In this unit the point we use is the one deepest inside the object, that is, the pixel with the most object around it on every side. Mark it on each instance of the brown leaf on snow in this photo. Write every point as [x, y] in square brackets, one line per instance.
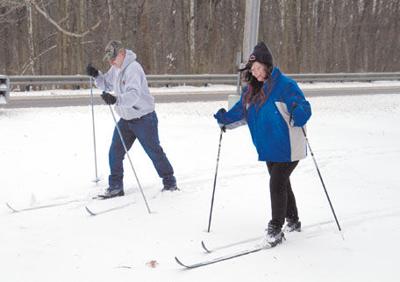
[152, 263]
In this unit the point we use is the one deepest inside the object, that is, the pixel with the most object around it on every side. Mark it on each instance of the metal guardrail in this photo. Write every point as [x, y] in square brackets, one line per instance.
[200, 79]
[4, 89]
[346, 77]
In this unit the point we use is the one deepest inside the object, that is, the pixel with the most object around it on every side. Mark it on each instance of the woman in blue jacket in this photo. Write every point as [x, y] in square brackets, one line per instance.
[276, 111]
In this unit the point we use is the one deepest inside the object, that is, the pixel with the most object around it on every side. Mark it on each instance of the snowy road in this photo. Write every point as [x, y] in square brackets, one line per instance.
[195, 95]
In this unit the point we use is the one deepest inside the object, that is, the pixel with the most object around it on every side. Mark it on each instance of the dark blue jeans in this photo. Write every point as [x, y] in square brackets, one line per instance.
[145, 129]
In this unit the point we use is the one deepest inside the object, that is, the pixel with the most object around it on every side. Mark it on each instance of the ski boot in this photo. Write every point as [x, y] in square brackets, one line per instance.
[112, 192]
[292, 225]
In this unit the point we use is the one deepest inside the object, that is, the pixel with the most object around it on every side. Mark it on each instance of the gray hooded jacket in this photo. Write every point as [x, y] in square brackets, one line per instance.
[130, 86]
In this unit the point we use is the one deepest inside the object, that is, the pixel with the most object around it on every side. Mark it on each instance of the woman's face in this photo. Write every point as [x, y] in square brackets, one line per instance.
[258, 71]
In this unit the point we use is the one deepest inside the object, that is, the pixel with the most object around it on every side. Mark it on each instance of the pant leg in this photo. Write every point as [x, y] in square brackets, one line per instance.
[146, 131]
[279, 183]
[117, 153]
[291, 210]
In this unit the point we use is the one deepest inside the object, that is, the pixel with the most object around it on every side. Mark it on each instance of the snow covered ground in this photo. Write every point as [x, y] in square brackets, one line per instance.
[47, 157]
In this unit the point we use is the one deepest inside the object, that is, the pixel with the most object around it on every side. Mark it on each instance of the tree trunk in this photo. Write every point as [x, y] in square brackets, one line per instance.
[31, 40]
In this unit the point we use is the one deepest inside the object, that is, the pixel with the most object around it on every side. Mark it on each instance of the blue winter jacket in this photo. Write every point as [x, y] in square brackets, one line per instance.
[276, 126]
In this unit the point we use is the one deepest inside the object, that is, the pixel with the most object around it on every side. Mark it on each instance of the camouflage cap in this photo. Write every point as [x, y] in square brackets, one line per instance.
[112, 49]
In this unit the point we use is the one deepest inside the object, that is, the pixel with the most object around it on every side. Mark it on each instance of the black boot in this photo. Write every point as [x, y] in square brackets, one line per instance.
[112, 192]
[292, 225]
[170, 188]
[169, 184]
[274, 235]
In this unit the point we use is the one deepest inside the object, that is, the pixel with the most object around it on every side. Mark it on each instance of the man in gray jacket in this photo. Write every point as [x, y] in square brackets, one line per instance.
[135, 106]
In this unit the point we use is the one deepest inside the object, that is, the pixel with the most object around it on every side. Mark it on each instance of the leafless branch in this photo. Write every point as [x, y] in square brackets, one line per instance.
[31, 61]
[57, 26]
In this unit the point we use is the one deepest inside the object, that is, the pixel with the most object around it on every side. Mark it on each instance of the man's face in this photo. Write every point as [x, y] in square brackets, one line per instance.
[118, 60]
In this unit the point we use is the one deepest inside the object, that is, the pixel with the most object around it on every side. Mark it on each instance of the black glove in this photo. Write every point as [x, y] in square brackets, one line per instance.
[108, 98]
[218, 117]
[92, 71]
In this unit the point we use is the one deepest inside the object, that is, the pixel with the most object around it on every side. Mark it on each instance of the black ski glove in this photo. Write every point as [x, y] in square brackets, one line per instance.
[92, 71]
[108, 98]
[218, 117]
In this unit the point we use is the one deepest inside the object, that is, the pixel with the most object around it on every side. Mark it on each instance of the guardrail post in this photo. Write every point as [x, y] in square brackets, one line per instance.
[4, 89]
[233, 98]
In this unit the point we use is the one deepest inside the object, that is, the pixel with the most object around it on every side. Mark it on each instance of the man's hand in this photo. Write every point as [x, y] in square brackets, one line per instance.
[92, 71]
[108, 98]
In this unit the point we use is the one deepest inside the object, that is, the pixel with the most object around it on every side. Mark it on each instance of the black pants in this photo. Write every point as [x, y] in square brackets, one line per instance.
[283, 202]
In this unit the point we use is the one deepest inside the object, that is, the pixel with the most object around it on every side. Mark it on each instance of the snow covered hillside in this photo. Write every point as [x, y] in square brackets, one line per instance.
[47, 158]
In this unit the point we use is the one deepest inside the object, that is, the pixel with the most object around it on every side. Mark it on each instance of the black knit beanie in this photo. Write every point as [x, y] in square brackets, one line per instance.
[262, 54]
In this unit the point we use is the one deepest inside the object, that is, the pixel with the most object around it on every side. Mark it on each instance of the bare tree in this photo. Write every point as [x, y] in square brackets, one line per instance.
[56, 25]
[192, 36]
[192, 48]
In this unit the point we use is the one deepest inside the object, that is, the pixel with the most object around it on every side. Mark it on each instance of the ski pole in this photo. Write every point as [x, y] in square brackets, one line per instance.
[215, 179]
[129, 158]
[322, 181]
[94, 132]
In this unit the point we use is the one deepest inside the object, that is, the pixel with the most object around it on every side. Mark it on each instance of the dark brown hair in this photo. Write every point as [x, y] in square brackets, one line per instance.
[255, 93]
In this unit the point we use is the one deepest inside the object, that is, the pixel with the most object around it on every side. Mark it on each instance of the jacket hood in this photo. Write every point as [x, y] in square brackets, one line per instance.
[130, 57]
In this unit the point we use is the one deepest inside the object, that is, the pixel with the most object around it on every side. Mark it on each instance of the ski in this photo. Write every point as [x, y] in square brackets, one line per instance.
[107, 201]
[52, 205]
[207, 249]
[93, 212]
[222, 258]
[203, 245]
